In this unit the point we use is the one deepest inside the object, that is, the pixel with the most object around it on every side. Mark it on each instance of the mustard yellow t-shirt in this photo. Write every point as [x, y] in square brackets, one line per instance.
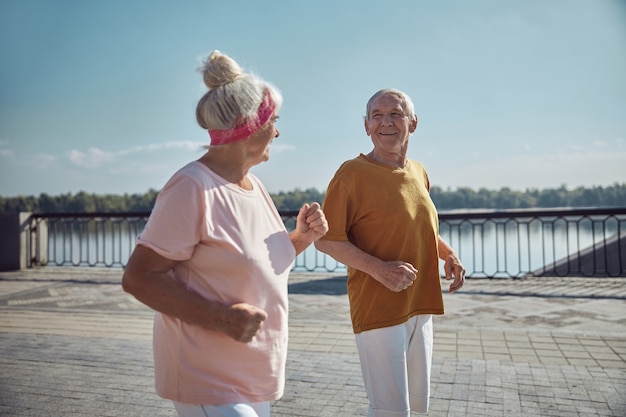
[386, 212]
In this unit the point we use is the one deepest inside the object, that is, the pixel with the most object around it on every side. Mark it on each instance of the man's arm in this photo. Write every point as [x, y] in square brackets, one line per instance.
[395, 275]
[452, 266]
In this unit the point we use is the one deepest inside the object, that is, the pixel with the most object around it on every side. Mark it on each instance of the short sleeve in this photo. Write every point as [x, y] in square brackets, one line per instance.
[175, 224]
[336, 209]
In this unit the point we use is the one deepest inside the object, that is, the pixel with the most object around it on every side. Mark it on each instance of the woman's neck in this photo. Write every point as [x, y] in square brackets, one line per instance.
[228, 167]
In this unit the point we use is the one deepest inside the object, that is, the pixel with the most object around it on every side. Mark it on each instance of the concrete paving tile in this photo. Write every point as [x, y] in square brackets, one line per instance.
[497, 356]
[328, 382]
[577, 354]
[553, 360]
[591, 342]
[546, 347]
[605, 356]
[492, 342]
[525, 350]
[582, 362]
[612, 364]
[525, 358]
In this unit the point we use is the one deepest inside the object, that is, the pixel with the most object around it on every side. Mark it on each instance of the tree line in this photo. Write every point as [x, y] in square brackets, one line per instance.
[506, 198]
[448, 199]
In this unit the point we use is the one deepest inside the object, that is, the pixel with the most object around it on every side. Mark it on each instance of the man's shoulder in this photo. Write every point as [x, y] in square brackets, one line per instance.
[358, 162]
[416, 165]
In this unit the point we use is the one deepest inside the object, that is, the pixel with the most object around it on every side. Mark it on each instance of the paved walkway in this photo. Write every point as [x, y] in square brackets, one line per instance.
[72, 343]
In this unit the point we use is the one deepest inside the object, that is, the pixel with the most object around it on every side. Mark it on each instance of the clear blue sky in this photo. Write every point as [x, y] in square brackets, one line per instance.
[99, 96]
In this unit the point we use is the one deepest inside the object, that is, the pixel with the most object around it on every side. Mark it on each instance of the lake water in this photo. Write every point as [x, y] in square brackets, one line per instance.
[486, 248]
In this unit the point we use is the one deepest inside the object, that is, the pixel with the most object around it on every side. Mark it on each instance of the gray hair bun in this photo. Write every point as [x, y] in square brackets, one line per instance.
[234, 95]
[220, 69]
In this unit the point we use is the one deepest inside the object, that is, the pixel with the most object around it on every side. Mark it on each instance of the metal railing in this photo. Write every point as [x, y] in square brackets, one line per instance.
[554, 242]
[509, 243]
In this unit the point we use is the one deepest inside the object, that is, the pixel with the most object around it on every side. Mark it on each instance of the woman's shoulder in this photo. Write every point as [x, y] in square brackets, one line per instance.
[193, 168]
[200, 173]
[193, 175]
[256, 183]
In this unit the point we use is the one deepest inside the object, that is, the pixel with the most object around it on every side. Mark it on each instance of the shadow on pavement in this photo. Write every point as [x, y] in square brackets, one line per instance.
[327, 286]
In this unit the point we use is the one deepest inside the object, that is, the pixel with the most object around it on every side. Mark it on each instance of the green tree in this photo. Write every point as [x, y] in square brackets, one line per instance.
[449, 199]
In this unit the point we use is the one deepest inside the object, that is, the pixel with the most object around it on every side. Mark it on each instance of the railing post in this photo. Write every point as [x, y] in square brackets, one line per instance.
[9, 241]
[16, 249]
[23, 241]
[34, 241]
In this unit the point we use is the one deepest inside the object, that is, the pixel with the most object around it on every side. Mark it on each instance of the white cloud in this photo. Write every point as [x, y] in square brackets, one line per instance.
[6, 153]
[277, 148]
[44, 160]
[573, 148]
[580, 168]
[93, 158]
[189, 145]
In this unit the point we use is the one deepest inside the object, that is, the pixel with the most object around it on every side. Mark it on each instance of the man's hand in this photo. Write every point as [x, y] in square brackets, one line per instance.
[454, 268]
[396, 275]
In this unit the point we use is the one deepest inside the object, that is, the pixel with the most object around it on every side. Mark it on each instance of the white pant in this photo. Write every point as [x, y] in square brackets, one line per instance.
[226, 410]
[396, 363]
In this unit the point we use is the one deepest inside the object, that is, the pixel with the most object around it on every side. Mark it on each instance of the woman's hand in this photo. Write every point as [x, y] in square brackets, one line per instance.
[311, 221]
[147, 278]
[241, 321]
[311, 225]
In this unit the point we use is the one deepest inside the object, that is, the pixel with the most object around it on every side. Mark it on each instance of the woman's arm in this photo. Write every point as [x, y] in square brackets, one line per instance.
[147, 278]
[310, 226]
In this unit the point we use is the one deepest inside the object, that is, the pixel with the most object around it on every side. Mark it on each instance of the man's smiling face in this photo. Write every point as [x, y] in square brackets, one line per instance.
[388, 123]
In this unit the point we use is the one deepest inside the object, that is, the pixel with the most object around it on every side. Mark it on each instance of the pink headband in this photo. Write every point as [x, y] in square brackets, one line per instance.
[263, 114]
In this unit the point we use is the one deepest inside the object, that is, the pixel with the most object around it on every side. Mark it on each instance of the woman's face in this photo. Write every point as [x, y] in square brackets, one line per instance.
[259, 142]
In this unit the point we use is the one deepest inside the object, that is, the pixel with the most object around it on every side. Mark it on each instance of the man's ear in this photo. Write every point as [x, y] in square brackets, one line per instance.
[367, 129]
[413, 125]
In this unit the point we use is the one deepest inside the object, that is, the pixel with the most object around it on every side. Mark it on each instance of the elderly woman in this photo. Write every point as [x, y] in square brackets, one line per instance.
[214, 259]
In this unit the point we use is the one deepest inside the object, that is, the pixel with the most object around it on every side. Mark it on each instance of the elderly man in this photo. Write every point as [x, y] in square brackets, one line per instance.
[384, 227]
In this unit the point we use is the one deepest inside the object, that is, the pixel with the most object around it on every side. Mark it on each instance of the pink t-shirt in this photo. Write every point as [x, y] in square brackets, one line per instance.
[232, 247]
